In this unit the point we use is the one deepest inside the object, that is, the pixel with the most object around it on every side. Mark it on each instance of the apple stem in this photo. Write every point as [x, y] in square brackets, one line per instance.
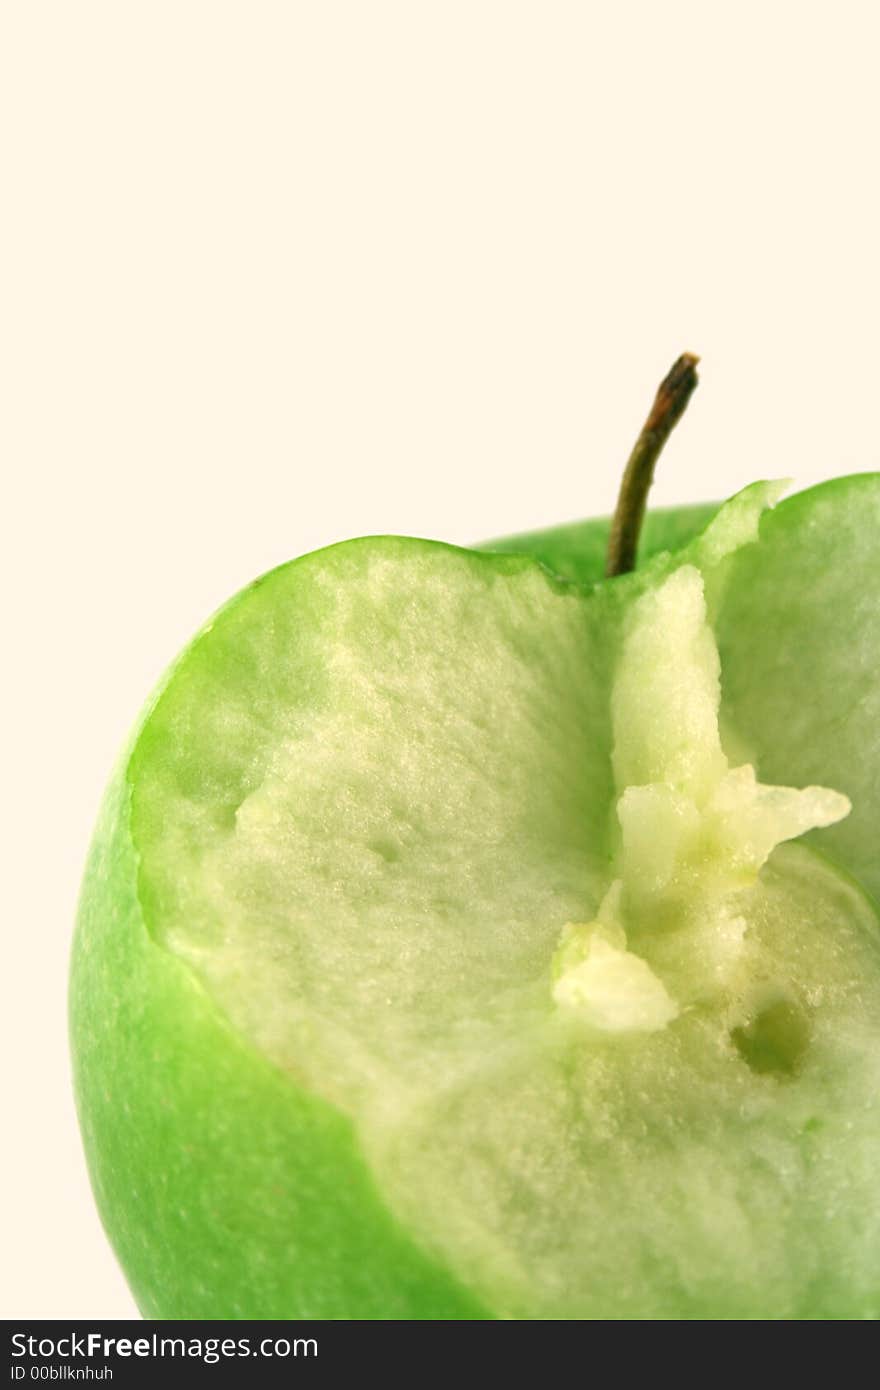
[673, 394]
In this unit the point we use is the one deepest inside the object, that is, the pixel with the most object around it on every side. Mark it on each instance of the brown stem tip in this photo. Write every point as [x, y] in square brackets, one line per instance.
[673, 394]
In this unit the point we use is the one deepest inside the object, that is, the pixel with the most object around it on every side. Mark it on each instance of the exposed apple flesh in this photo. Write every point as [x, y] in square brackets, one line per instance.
[376, 817]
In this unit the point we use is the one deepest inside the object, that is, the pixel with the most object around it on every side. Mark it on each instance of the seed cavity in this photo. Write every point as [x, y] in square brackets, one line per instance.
[775, 1041]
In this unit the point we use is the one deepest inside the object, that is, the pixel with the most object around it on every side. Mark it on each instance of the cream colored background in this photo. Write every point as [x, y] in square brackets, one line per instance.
[276, 274]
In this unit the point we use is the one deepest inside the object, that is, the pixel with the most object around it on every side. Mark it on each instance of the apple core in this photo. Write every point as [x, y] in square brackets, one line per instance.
[694, 833]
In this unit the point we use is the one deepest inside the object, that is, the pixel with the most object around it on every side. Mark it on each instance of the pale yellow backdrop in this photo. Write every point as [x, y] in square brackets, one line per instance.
[275, 274]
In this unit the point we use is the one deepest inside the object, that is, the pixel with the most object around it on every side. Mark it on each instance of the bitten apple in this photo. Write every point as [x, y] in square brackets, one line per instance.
[468, 935]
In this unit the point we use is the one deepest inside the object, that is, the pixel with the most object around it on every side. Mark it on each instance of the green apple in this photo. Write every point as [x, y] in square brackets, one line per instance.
[467, 936]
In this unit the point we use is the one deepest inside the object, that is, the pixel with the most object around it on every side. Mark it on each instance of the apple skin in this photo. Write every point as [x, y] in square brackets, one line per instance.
[577, 550]
[226, 1190]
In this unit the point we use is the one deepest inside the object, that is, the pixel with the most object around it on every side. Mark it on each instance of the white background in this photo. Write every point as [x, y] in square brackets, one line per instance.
[277, 274]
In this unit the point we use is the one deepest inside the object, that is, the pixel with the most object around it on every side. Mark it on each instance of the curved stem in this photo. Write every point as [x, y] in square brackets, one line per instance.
[669, 405]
